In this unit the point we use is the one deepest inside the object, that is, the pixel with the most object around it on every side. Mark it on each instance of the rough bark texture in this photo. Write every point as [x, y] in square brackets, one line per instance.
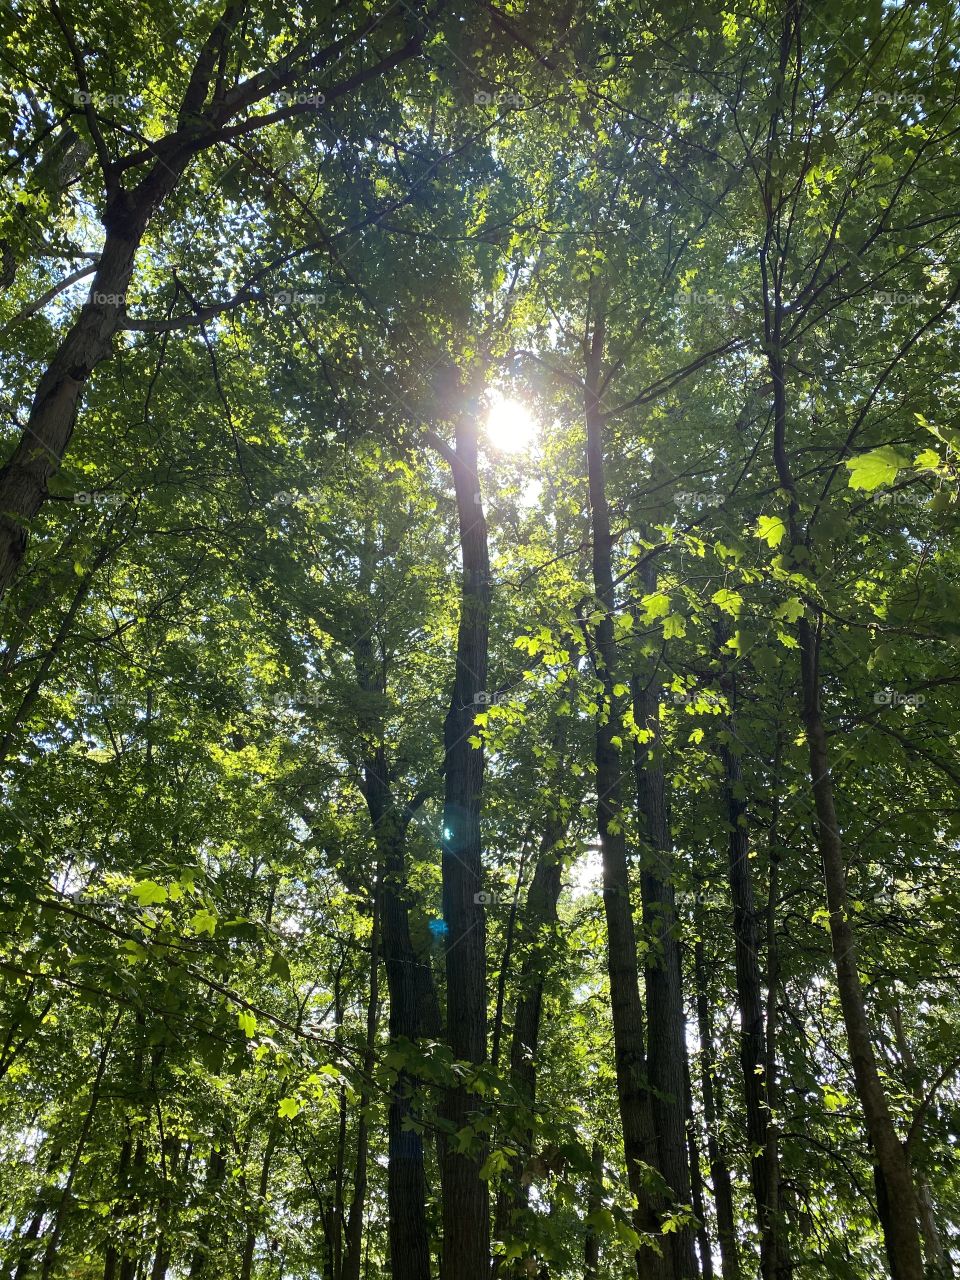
[466, 1224]
[263, 1183]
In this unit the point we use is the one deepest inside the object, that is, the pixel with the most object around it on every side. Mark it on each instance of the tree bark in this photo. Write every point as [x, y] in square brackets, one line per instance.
[626, 1008]
[753, 1059]
[666, 1025]
[696, 1183]
[896, 1194]
[353, 1243]
[591, 1242]
[201, 1259]
[412, 1014]
[250, 1239]
[540, 917]
[776, 1259]
[466, 1223]
[59, 1221]
[719, 1169]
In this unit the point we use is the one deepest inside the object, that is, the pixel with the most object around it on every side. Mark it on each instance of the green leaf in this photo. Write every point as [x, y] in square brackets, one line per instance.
[289, 1108]
[655, 605]
[928, 459]
[771, 529]
[203, 921]
[148, 892]
[869, 471]
[247, 1023]
[728, 601]
[627, 1234]
[791, 609]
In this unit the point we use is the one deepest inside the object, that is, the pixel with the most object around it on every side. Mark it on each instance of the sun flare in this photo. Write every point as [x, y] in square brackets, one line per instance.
[510, 426]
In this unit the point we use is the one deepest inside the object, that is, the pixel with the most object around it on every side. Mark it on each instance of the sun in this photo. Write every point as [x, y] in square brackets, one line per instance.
[510, 426]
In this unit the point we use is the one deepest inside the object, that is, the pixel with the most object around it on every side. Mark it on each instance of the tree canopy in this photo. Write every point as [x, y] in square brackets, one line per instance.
[479, 597]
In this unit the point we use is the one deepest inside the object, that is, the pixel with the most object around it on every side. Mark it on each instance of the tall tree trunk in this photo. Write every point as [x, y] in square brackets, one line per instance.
[353, 1245]
[719, 1169]
[777, 1258]
[639, 1141]
[696, 1183]
[591, 1243]
[250, 1240]
[466, 1221]
[113, 1253]
[753, 1060]
[413, 1013]
[938, 1261]
[28, 1238]
[60, 1216]
[161, 1257]
[540, 917]
[663, 981]
[200, 1262]
[896, 1194]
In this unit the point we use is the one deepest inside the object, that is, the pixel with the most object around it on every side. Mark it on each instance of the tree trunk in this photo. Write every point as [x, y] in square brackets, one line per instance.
[353, 1245]
[753, 1060]
[666, 1025]
[776, 1259]
[466, 1224]
[591, 1243]
[216, 1169]
[89, 340]
[719, 1169]
[412, 1014]
[59, 1221]
[896, 1195]
[696, 1183]
[626, 1008]
[250, 1240]
[540, 917]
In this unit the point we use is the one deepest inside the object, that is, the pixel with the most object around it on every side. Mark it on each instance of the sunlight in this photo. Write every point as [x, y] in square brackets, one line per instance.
[510, 426]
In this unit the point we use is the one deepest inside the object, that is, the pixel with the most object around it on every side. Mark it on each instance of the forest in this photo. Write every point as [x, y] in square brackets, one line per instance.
[479, 606]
